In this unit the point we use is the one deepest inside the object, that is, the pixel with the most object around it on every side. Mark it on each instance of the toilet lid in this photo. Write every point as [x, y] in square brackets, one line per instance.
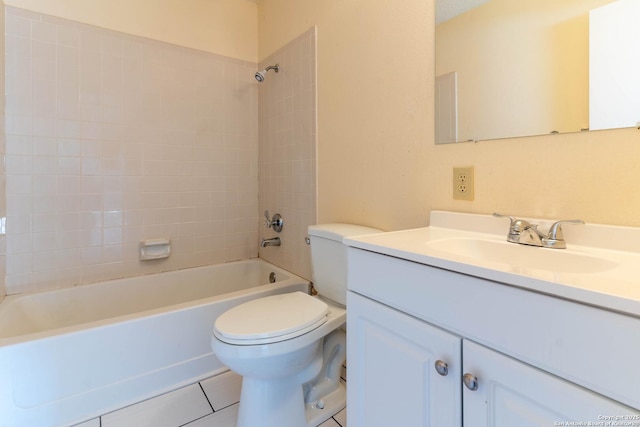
[271, 319]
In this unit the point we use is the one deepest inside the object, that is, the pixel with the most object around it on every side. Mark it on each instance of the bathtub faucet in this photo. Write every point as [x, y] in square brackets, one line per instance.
[274, 241]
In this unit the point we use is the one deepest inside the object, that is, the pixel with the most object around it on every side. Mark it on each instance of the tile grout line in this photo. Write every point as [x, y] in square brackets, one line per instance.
[206, 397]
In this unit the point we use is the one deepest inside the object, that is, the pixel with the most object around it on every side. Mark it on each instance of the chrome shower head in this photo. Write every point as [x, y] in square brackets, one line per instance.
[260, 74]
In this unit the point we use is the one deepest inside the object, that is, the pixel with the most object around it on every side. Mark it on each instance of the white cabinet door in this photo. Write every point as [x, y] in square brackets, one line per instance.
[511, 393]
[391, 369]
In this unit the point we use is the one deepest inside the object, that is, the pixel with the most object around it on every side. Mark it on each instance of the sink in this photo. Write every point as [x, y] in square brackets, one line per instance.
[521, 256]
[599, 267]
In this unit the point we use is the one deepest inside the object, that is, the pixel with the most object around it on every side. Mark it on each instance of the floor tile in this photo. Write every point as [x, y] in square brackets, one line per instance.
[227, 417]
[341, 417]
[223, 390]
[168, 410]
[329, 423]
[91, 423]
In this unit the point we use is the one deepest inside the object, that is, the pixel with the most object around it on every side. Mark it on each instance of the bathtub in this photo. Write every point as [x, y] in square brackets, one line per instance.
[72, 354]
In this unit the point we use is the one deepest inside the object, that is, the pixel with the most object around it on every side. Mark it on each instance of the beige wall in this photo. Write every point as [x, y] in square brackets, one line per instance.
[225, 27]
[377, 163]
[375, 80]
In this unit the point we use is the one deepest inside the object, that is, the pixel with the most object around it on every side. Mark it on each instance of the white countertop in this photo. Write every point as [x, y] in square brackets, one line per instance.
[616, 286]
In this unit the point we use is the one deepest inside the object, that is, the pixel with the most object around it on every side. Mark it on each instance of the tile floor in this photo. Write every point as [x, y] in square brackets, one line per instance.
[209, 403]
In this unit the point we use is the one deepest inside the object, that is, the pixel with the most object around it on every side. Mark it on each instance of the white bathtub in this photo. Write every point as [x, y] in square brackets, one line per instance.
[75, 353]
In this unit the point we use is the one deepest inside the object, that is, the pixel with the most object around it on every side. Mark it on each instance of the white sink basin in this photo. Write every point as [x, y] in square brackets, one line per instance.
[599, 267]
[530, 257]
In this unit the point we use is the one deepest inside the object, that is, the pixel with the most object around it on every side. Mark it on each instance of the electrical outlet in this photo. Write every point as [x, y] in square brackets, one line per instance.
[463, 183]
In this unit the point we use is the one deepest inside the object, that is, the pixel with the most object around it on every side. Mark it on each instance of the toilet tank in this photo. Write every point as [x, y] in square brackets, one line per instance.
[329, 258]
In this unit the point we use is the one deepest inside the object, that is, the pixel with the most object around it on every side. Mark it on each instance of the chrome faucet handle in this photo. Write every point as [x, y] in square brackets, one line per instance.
[511, 218]
[277, 222]
[555, 238]
[517, 227]
[267, 219]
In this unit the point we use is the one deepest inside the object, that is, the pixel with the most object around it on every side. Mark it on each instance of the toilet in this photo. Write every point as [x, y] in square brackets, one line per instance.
[289, 348]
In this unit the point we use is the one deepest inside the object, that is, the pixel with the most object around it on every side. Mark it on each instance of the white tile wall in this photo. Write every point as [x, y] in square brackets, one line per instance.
[112, 139]
[287, 123]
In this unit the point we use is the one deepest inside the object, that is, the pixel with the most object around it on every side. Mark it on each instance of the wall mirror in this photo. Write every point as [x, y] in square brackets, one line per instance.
[508, 68]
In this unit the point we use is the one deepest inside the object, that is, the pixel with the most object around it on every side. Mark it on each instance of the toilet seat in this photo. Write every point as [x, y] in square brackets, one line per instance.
[271, 319]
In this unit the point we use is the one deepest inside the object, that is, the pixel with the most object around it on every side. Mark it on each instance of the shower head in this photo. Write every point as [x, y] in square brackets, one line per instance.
[260, 74]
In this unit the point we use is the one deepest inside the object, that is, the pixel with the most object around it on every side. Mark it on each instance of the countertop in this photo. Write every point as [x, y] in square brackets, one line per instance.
[614, 283]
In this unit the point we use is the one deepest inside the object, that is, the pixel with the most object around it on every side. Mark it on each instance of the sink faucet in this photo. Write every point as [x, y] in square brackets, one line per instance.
[525, 233]
[274, 241]
[522, 231]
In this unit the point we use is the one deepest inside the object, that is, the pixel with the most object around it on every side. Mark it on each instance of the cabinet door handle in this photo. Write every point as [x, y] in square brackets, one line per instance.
[470, 381]
[442, 368]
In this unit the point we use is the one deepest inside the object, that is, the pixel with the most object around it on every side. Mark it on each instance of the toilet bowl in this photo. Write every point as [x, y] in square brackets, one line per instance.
[289, 348]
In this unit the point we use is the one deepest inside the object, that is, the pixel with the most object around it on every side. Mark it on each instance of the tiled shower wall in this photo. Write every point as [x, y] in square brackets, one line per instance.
[287, 123]
[112, 139]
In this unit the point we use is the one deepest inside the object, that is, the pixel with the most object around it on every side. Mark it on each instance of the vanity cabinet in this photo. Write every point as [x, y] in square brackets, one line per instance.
[394, 381]
[512, 393]
[538, 360]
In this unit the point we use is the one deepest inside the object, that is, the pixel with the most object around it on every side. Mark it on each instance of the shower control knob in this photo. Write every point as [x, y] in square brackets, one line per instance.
[470, 381]
[442, 368]
[277, 222]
